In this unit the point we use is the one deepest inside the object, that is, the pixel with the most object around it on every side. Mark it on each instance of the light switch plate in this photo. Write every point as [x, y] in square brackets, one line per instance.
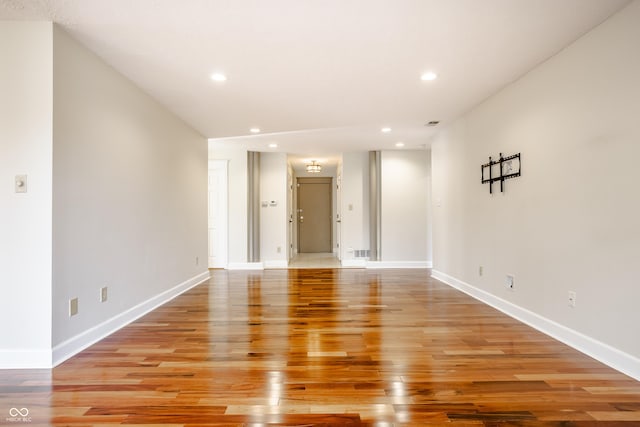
[21, 183]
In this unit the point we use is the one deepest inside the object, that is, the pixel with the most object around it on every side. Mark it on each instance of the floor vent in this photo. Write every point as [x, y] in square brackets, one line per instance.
[361, 253]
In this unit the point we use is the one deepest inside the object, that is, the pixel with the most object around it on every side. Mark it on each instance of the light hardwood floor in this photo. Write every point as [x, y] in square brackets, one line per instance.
[324, 347]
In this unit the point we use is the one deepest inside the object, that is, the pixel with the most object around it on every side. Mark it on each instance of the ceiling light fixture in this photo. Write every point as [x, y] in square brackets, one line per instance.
[385, 130]
[254, 130]
[314, 167]
[399, 144]
[218, 77]
[273, 145]
[428, 76]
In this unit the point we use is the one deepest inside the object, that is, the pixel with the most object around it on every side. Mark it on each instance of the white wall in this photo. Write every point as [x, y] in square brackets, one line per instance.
[273, 219]
[570, 223]
[355, 204]
[237, 200]
[26, 90]
[405, 188]
[338, 208]
[129, 196]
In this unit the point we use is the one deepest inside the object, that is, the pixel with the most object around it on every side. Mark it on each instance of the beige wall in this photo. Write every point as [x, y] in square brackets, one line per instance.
[570, 223]
[355, 205]
[273, 219]
[26, 91]
[405, 188]
[129, 195]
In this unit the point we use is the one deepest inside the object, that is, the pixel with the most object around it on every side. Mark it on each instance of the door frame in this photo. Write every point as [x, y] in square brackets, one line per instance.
[338, 219]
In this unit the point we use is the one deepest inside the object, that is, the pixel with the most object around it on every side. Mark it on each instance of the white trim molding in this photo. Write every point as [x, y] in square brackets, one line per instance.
[278, 263]
[25, 359]
[354, 263]
[398, 264]
[245, 266]
[76, 344]
[610, 356]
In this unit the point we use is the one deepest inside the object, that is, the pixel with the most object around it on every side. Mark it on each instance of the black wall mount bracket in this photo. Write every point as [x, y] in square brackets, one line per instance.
[501, 169]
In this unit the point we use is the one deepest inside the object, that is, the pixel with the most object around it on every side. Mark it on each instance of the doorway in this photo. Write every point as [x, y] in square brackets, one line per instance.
[314, 215]
[218, 221]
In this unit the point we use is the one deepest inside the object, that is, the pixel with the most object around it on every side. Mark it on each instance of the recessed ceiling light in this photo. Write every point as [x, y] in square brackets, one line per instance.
[254, 130]
[385, 130]
[273, 145]
[218, 77]
[428, 76]
[399, 144]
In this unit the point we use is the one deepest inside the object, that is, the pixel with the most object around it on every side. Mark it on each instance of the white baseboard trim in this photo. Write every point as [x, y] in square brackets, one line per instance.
[245, 266]
[25, 359]
[610, 356]
[399, 264]
[354, 263]
[74, 345]
[279, 263]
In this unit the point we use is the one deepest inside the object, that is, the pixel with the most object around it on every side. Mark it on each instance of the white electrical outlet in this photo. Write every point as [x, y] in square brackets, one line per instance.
[480, 271]
[279, 249]
[510, 282]
[103, 294]
[572, 299]
[197, 260]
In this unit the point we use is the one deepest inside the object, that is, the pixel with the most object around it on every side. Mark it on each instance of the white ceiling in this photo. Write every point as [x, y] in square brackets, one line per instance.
[320, 77]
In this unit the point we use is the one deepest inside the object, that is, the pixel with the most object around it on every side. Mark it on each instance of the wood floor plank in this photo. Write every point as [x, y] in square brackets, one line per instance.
[324, 347]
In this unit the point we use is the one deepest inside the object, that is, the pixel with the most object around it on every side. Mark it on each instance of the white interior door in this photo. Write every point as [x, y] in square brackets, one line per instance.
[218, 208]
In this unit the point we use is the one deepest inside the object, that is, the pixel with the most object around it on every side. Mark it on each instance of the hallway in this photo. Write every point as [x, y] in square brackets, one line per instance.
[324, 347]
[315, 260]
